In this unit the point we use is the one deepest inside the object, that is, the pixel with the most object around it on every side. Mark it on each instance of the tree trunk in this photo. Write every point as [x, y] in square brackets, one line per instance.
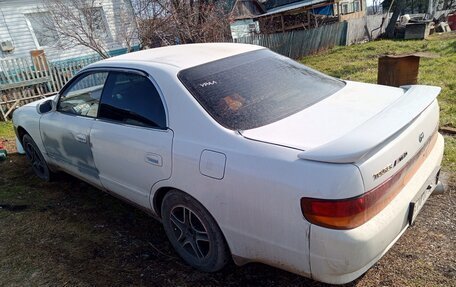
[392, 23]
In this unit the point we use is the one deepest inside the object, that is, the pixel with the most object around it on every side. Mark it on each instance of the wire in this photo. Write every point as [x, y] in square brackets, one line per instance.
[7, 28]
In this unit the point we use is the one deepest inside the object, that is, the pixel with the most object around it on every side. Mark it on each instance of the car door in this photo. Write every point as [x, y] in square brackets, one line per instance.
[66, 132]
[131, 143]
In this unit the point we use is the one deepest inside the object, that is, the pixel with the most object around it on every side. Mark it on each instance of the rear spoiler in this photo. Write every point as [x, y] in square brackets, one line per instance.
[353, 146]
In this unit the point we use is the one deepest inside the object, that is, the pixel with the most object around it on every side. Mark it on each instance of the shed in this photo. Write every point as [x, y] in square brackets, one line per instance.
[246, 9]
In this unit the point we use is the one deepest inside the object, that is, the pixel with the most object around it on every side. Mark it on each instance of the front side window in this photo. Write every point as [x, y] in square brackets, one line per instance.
[82, 97]
[257, 88]
[132, 99]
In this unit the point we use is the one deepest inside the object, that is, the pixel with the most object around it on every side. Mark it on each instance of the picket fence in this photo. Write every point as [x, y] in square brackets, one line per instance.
[26, 79]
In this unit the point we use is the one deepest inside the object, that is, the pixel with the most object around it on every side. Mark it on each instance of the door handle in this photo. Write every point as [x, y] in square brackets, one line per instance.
[82, 138]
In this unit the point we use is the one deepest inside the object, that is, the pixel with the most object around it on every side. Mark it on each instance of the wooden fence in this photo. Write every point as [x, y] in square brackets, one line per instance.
[296, 44]
[23, 80]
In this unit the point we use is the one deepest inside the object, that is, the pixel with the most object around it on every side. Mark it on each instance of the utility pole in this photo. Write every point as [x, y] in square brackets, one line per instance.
[430, 9]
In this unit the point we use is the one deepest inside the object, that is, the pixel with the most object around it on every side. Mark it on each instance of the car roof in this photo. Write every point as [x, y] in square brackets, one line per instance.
[184, 56]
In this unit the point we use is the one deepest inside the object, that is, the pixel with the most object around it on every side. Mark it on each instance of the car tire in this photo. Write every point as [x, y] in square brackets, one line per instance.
[34, 156]
[193, 232]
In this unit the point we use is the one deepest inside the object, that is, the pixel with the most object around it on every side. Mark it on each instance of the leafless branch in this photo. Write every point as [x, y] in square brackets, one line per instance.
[82, 22]
[164, 22]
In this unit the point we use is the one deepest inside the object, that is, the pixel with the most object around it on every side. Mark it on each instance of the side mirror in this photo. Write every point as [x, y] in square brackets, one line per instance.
[46, 106]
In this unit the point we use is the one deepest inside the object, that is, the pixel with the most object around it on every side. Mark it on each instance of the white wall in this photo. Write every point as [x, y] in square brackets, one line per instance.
[13, 26]
[357, 33]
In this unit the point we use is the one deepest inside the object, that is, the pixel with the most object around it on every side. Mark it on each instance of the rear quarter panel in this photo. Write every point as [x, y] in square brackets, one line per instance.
[257, 202]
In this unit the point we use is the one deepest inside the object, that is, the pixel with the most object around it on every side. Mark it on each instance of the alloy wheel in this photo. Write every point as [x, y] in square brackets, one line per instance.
[190, 232]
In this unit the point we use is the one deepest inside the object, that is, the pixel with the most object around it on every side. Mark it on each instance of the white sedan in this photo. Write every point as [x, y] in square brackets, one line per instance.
[246, 154]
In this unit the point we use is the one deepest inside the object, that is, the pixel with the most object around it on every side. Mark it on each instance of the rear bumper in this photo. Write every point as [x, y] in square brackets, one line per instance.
[340, 256]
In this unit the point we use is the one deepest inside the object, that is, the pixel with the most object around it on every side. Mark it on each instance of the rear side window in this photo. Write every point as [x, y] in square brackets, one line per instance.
[257, 88]
[132, 99]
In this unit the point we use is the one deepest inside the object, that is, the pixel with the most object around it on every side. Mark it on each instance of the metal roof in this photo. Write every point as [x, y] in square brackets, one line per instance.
[291, 6]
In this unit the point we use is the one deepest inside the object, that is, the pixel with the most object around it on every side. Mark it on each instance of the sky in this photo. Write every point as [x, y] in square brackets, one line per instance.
[369, 2]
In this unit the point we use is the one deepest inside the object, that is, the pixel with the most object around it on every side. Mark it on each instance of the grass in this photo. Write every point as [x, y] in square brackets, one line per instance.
[359, 63]
[449, 156]
[7, 136]
[6, 130]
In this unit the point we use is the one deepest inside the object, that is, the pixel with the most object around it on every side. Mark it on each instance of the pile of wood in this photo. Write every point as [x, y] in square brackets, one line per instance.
[301, 21]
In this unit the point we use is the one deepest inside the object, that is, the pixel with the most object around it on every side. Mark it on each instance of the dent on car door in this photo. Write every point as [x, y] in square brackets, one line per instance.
[66, 132]
[131, 143]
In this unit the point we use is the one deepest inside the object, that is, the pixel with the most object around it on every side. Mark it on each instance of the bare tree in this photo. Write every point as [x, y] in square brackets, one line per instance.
[201, 21]
[154, 25]
[82, 22]
[164, 22]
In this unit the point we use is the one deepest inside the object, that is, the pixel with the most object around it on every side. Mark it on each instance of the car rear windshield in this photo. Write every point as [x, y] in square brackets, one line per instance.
[256, 88]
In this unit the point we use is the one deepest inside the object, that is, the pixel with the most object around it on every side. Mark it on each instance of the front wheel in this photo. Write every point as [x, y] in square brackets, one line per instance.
[193, 232]
[35, 157]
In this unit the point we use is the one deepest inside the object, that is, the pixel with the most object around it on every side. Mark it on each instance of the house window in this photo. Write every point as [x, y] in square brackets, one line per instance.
[96, 21]
[252, 27]
[356, 6]
[42, 28]
[345, 8]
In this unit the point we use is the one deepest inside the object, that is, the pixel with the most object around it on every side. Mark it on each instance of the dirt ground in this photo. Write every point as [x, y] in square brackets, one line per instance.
[67, 233]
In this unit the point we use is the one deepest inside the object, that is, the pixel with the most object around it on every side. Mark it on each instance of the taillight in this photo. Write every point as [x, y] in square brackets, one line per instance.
[353, 212]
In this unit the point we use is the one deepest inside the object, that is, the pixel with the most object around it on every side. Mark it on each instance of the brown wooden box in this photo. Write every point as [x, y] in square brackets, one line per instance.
[398, 70]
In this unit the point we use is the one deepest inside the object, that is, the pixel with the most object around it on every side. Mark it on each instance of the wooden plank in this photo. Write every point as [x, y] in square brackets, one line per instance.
[23, 65]
[5, 70]
[47, 72]
[57, 77]
[3, 113]
[14, 67]
[448, 130]
[31, 93]
[29, 97]
[283, 23]
[53, 80]
[23, 84]
[9, 72]
[16, 70]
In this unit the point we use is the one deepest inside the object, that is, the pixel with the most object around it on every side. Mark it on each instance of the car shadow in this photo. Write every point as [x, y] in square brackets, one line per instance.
[87, 237]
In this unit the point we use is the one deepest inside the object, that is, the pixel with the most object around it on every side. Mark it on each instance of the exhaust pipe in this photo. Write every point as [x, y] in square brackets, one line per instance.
[439, 188]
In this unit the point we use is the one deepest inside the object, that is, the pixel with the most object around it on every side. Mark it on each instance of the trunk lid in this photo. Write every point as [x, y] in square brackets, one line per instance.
[377, 128]
[328, 119]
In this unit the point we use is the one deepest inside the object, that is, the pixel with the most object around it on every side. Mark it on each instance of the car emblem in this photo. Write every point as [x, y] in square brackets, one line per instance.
[420, 138]
[390, 166]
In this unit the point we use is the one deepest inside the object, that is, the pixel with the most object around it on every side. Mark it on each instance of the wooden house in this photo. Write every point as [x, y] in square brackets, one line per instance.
[21, 31]
[274, 16]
